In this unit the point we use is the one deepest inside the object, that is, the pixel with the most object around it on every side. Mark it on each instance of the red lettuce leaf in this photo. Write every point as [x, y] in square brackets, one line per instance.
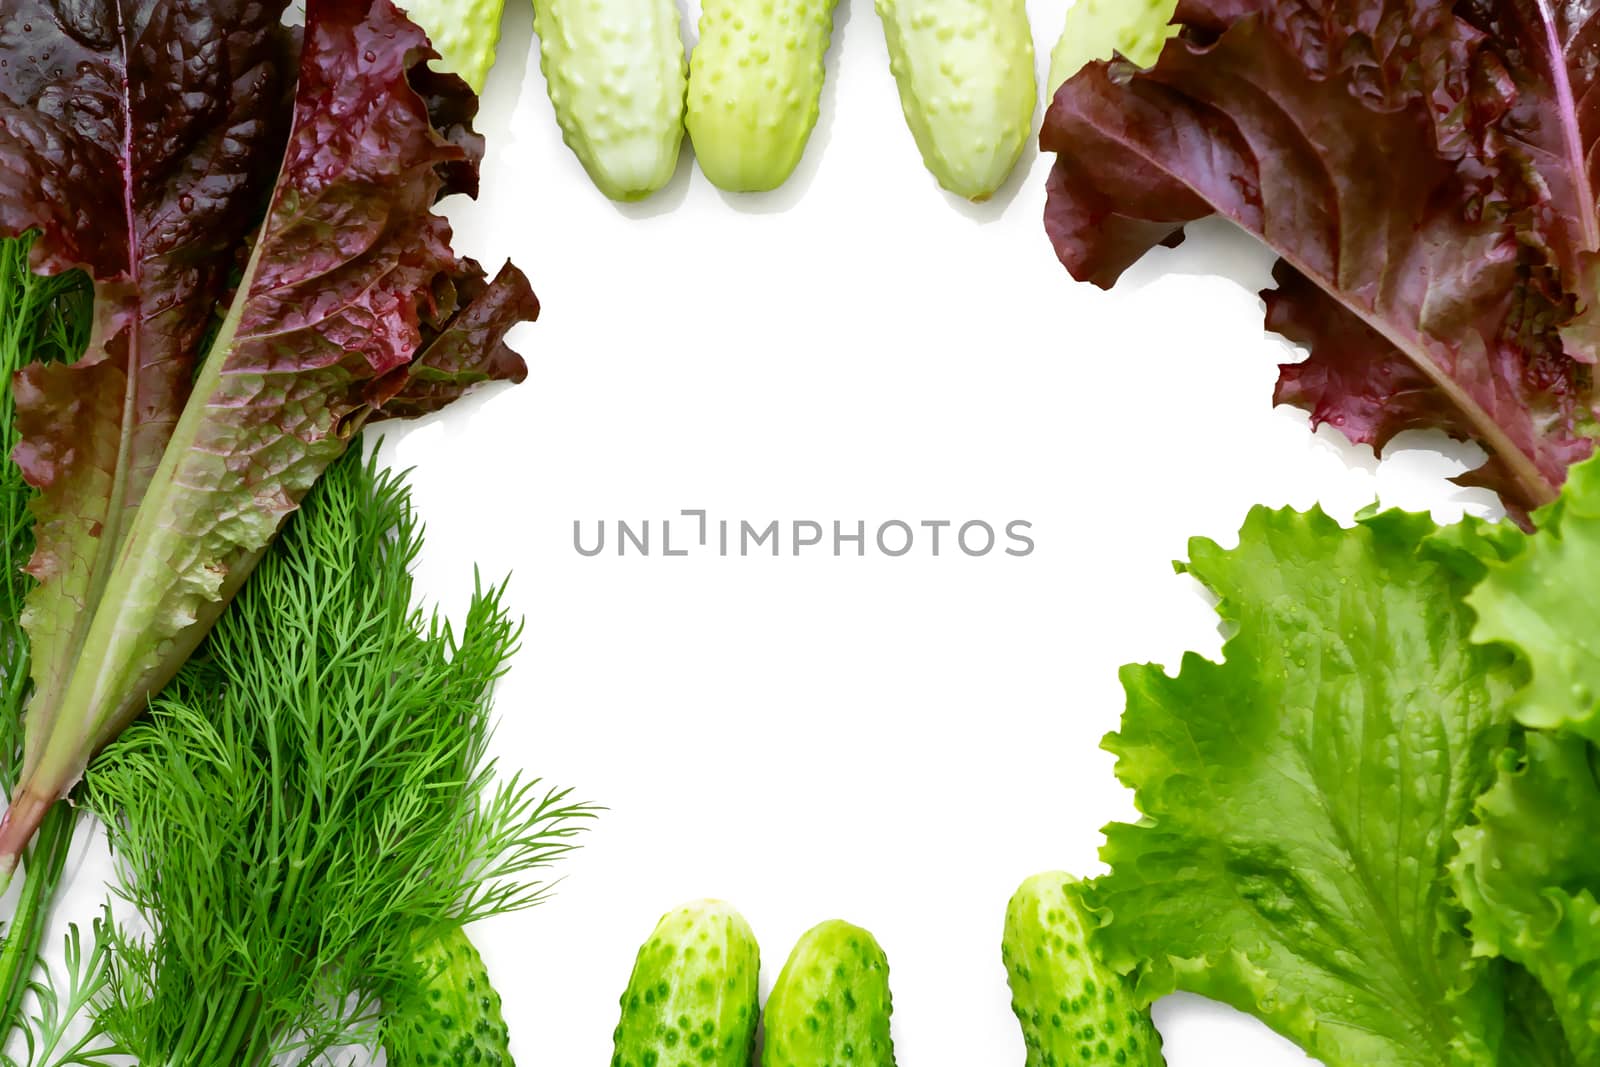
[141, 142]
[350, 299]
[1425, 187]
[1546, 135]
[470, 348]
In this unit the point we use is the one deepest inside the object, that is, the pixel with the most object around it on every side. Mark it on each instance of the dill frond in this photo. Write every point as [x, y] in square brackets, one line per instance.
[311, 794]
[56, 1033]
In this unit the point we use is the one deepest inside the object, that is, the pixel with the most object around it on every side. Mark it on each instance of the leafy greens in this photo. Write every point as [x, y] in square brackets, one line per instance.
[1534, 598]
[1529, 875]
[1423, 170]
[310, 796]
[43, 319]
[188, 154]
[1372, 824]
[1301, 797]
[1528, 871]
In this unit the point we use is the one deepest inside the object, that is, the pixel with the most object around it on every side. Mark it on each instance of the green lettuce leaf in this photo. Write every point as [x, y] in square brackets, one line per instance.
[1301, 798]
[1540, 601]
[1528, 870]
[1529, 873]
[1533, 1033]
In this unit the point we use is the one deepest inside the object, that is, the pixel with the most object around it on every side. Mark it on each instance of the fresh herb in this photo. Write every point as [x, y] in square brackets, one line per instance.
[409, 701]
[163, 147]
[61, 1031]
[1424, 171]
[310, 796]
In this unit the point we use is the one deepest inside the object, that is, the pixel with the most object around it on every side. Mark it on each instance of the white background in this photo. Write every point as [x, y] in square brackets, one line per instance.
[897, 742]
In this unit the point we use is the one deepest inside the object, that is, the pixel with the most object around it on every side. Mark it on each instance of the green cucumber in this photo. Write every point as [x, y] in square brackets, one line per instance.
[1073, 1008]
[965, 72]
[464, 32]
[448, 1013]
[755, 80]
[616, 73]
[692, 1000]
[1098, 29]
[830, 1005]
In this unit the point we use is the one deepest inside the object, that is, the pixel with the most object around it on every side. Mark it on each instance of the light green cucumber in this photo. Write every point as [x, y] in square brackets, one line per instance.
[755, 80]
[448, 1013]
[830, 1005]
[1073, 1008]
[965, 72]
[616, 74]
[463, 32]
[1099, 29]
[692, 1000]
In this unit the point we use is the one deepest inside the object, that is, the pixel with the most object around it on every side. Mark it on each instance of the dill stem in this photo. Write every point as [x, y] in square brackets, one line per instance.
[260, 1049]
[44, 864]
[181, 1050]
[225, 1044]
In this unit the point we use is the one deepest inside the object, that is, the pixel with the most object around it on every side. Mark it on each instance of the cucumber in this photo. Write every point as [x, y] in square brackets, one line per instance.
[830, 1006]
[692, 998]
[965, 72]
[1073, 1008]
[755, 80]
[1098, 29]
[464, 32]
[449, 1013]
[616, 73]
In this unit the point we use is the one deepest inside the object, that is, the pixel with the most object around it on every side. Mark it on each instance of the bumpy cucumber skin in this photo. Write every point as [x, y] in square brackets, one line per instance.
[616, 73]
[1073, 1008]
[463, 32]
[692, 1000]
[452, 1014]
[965, 73]
[830, 1006]
[755, 80]
[1097, 29]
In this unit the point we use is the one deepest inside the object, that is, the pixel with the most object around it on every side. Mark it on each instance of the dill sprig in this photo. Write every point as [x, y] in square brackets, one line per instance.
[311, 794]
[59, 1031]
